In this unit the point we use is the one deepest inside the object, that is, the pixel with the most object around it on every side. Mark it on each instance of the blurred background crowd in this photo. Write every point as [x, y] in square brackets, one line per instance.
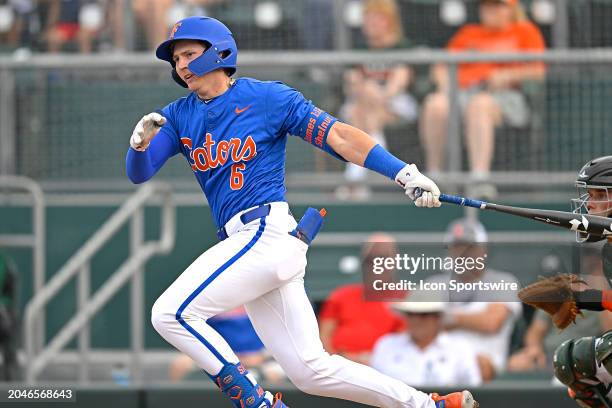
[506, 112]
[139, 25]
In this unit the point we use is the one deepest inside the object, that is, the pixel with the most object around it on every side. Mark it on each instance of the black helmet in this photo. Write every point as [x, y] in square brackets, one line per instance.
[595, 174]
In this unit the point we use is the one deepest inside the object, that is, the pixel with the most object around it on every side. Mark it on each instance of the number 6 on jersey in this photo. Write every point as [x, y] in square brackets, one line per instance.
[237, 178]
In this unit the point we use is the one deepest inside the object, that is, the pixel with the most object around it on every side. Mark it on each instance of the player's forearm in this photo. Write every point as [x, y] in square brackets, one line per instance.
[358, 147]
[139, 166]
[142, 165]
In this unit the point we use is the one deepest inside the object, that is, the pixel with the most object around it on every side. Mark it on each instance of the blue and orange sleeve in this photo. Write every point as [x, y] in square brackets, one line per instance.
[287, 111]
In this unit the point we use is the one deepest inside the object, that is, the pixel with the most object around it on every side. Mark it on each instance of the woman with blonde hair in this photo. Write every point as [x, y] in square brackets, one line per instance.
[387, 13]
[489, 91]
[377, 94]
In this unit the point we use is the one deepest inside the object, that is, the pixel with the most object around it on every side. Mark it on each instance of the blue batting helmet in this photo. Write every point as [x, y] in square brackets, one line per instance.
[221, 51]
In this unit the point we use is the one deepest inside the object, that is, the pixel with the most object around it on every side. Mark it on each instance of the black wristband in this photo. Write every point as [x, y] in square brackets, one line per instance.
[589, 299]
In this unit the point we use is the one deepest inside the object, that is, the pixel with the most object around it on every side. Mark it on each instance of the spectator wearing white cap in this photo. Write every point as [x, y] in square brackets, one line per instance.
[483, 318]
[424, 355]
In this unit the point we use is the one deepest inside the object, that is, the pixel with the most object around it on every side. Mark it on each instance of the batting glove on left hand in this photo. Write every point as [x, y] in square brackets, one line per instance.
[411, 179]
[145, 131]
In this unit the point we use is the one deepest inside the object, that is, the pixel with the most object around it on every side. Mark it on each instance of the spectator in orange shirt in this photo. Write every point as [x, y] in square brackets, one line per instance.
[489, 92]
[350, 325]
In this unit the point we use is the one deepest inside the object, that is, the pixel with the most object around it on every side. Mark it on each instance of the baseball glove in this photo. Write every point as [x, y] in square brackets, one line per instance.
[554, 295]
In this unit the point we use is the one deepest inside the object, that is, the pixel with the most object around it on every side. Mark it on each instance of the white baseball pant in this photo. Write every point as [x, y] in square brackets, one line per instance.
[262, 267]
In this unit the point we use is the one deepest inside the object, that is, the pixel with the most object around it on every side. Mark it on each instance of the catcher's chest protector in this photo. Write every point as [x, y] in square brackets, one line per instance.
[603, 351]
[574, 364]
[575, 359]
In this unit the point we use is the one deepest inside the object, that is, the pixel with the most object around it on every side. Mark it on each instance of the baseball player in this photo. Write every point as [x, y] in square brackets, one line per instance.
[232, 134]
[584, 364]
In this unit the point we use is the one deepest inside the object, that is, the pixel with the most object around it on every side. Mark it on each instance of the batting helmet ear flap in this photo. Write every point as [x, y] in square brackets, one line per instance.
[178, 79]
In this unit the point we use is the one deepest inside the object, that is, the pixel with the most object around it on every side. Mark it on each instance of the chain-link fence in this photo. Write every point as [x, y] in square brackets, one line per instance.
[138, 25]
[72, 120]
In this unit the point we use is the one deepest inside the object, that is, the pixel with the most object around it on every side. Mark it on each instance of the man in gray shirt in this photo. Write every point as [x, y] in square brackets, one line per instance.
[484, 312]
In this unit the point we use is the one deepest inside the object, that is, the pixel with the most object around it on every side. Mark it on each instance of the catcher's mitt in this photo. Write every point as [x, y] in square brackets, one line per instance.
[554, 296]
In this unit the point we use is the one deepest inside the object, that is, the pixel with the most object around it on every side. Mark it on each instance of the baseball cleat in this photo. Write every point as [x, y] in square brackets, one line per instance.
[461, 399]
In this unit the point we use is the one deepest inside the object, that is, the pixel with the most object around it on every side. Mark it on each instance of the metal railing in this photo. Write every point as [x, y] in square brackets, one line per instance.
[37, 239]
[89, 304]
[250, 59]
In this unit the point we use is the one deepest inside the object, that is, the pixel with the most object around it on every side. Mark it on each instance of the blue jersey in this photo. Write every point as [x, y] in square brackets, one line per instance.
[235, 143]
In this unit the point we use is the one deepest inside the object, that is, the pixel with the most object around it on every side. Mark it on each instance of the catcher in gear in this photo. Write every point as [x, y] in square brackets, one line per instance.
[583, 364]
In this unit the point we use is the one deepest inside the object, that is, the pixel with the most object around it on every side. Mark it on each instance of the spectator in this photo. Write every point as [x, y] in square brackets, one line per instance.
[237, 329]
[8, 318]
[157, 16]
[73, 21]
[116, 20]
[424, 355]
[542, 338]
[13, 22]
[377, 94]
[350, 325]
[482, 318]
[8, 25]
[489, 92]
[152, 16]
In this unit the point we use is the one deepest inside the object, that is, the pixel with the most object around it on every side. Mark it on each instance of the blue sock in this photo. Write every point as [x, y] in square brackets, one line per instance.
[236, 382]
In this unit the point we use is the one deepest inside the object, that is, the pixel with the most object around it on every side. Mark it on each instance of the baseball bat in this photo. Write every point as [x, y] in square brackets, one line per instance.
[588, 224]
